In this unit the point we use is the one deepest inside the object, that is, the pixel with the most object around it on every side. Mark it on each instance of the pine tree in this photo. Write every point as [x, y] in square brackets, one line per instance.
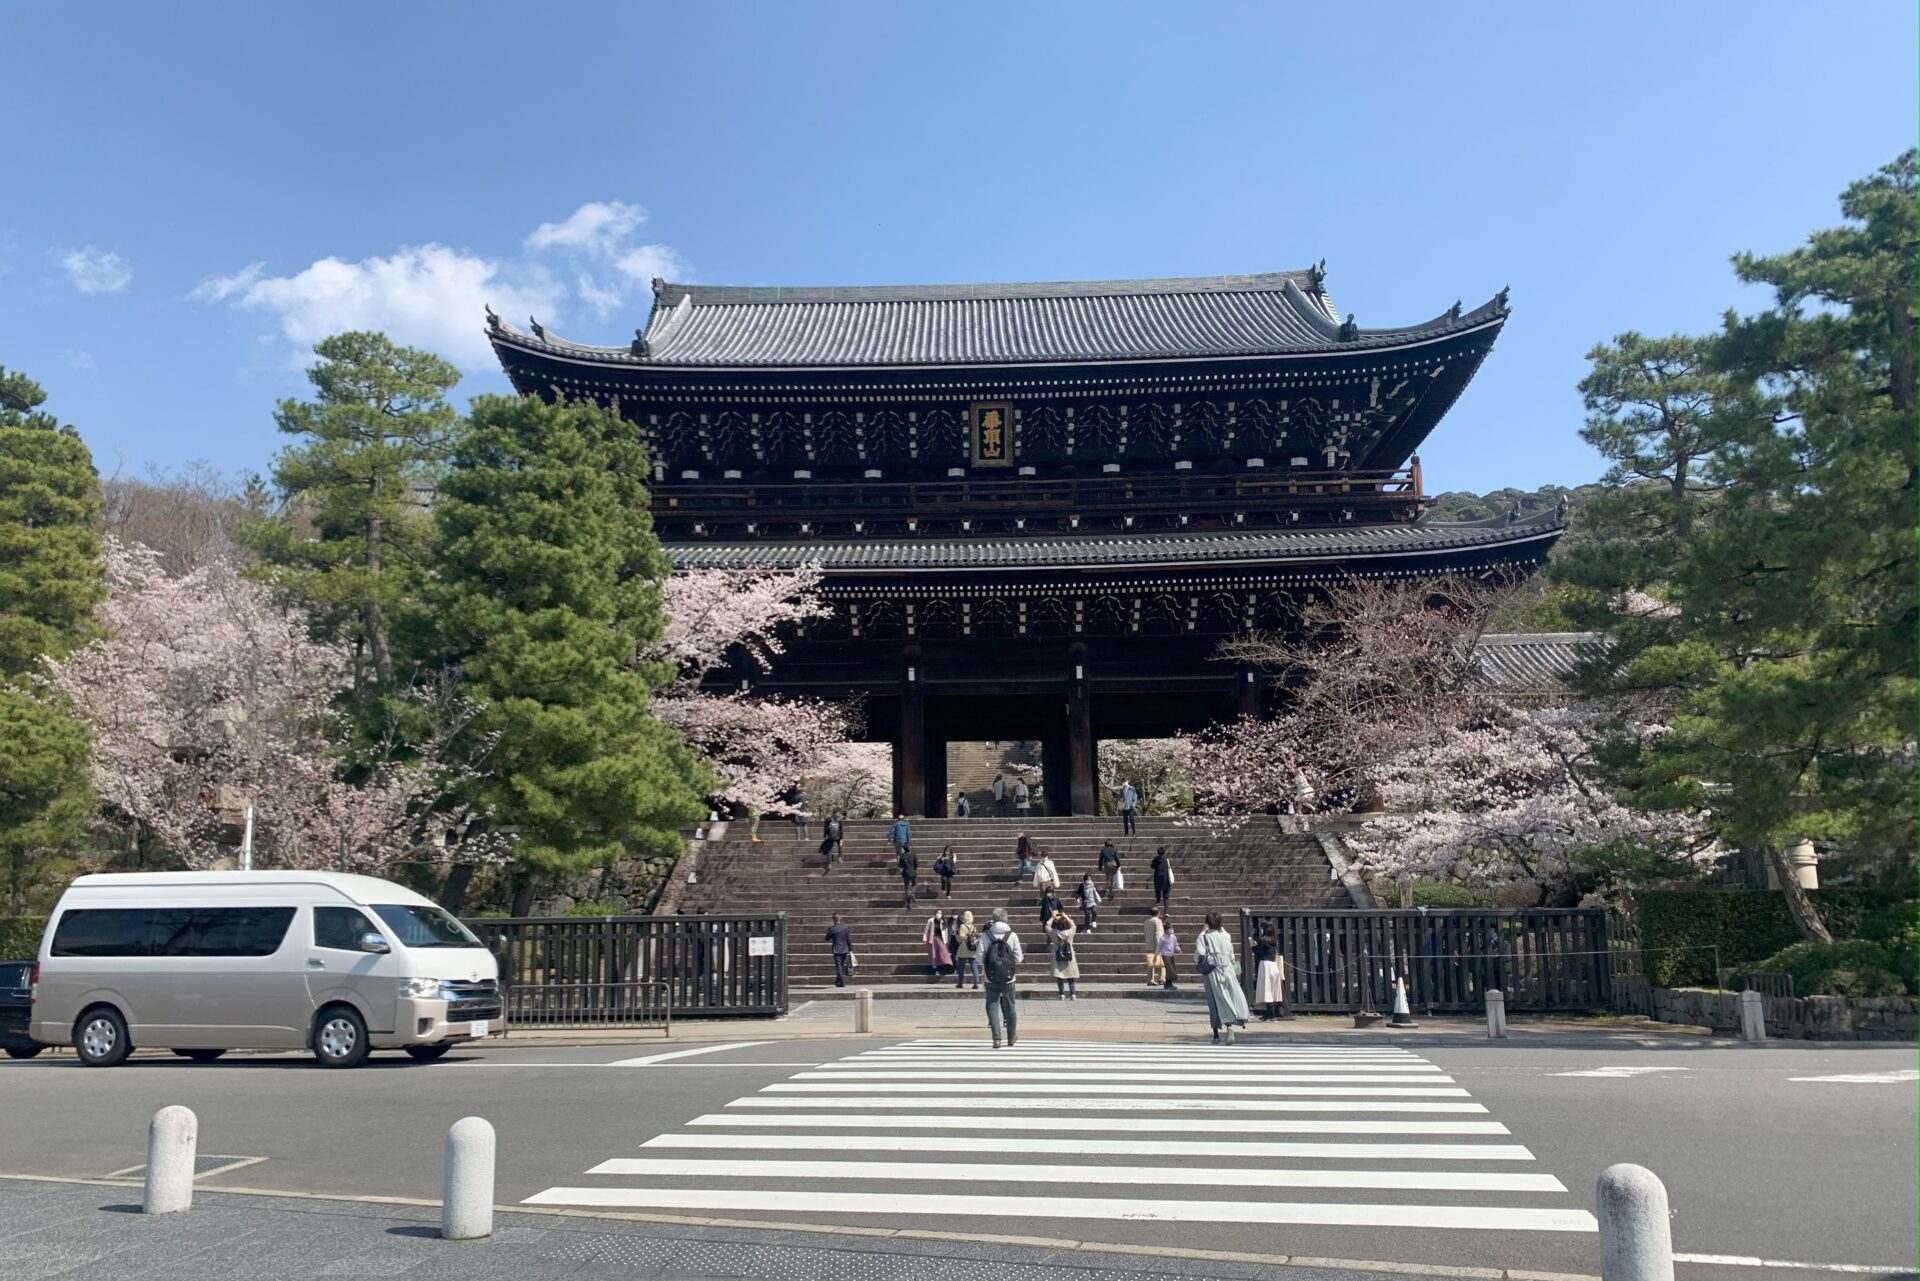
[546, 587]
[373, 440]
[50, 580]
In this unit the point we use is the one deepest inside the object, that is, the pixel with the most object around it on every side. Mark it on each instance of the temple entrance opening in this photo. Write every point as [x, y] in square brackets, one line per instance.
[973, 766]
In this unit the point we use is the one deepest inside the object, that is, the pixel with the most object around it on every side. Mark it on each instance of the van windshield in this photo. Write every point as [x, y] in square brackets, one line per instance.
[424, 926]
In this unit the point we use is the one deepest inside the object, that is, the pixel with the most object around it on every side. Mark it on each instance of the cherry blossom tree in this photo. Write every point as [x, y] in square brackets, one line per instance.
[206, 696]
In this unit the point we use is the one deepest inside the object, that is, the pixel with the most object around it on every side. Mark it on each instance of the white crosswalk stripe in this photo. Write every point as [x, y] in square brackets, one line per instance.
[1074, 1130]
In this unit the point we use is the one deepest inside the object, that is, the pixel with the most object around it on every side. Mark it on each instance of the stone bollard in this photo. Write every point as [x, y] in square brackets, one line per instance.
[1636, 1235]
[172, 1137]
[1496, 1015]
[863, 1010]
[466, 1199]
[1753, 1016]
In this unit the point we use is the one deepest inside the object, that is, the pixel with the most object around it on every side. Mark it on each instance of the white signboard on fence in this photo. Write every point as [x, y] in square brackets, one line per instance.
[760, 945]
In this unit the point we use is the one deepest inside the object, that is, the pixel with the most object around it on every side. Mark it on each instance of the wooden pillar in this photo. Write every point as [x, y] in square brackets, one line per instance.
[910, 754]
[1083, 783]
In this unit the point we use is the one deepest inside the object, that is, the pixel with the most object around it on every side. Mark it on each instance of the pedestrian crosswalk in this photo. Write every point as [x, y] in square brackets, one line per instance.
[1331, 1135]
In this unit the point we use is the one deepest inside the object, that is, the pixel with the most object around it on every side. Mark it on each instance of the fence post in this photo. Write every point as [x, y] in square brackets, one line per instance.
[466, 1200]
[1753, 1016]
[1636, 1236]
[863, 1010]
[1496, 1015]
[172, 1136]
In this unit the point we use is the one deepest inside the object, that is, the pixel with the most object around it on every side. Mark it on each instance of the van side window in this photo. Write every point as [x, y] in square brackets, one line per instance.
[220, 931]
[104, 931]
[340, 927]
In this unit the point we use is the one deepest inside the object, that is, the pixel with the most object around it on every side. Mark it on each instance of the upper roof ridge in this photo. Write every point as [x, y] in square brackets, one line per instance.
[668, 293]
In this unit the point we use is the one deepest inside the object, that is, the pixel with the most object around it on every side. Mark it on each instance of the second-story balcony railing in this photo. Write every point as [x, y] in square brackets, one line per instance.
[1087, 497]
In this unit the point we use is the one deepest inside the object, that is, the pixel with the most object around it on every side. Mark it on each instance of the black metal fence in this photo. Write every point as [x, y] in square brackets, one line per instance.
[1540, 959]
[614, 971]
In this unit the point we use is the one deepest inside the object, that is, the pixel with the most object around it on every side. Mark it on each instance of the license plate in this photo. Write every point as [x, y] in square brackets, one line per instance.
[477, 1029]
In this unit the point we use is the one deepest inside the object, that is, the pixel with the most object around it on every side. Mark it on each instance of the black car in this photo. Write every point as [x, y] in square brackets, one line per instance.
[16, 1010]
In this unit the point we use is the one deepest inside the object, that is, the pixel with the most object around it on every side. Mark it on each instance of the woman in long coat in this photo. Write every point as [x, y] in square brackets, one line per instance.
[1066, 972]
[1226, 1004]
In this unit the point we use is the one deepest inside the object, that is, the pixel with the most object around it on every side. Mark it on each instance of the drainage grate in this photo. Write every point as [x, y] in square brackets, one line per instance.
[205, 1166]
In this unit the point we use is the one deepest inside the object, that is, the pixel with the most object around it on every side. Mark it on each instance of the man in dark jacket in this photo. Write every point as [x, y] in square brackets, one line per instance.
[909, 872]
[1109, 863]
[842, 940]
[1162, 879]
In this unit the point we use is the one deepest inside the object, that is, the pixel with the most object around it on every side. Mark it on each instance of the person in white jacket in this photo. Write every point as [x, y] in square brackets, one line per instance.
[1045, 874]
[1000, 957]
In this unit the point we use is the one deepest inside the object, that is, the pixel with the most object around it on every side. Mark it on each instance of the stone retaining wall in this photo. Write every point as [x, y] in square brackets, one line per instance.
[1816, 1018]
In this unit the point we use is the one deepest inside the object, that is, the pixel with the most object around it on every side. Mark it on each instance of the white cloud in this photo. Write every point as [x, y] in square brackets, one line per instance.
[426, 296]
[221, 288]
[648, 261]
[78, 359]
[597, 228]
[96, 271]
[601, 298]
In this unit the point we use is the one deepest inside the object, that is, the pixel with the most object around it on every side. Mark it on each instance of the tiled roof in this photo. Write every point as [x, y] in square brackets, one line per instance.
[1262, 547]
[1538, 662]
[1187, 317]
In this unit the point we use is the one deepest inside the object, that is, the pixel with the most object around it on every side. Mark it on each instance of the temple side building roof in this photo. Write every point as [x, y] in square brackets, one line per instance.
[1165, 550]
[1195, 317]
[1532, 662]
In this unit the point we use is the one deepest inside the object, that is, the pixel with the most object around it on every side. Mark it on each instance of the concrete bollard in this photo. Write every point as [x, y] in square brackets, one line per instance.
[863, 1010]
[172, 1137]
[1753, 1016]
[1636, 1235]
[466, 1199]
[1496, 1015]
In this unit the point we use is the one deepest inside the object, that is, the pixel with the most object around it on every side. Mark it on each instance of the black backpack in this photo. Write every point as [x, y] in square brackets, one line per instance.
[999, 963]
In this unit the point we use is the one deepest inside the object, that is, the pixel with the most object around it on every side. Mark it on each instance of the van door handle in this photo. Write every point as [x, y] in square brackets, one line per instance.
[315, 963]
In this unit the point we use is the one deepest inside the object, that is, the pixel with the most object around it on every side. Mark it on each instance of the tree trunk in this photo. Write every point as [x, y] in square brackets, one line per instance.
[453, 894]
[522, 894]
[1806, 917]
[370, 615]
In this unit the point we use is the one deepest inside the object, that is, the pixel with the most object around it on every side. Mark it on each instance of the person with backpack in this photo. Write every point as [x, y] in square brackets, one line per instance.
[909, 872]
[1167, 949]
[1110, 867]
[835, 832]
[1023, 851]
[963, 807]
[841, 939]
[1000, 958]
[1213, 957]
[1089, 903]
[966, 947]
[1162, 879]
[944, 868]
[1061, 959]
[1150, 938]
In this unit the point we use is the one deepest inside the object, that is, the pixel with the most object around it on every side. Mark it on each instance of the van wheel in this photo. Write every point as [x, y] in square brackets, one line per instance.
[340, 1037]
[23, 1051]
[200, 1056]
[428, 1053]
[100, 1037]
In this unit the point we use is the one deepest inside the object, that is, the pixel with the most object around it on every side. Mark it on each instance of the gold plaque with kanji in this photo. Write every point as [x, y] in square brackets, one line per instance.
[993, 434]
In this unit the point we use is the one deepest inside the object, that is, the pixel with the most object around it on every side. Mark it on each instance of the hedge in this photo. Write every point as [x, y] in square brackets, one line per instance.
[20, 937]
[1679, 929]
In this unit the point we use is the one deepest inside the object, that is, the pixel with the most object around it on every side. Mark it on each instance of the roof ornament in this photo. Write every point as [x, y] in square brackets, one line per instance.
[1560, 509]
[1453, 312]
[1349, 331]
[1500, 299]
[493, 319]
[1317, 277]
[639, 347]
[538, 330]
[1513, 513]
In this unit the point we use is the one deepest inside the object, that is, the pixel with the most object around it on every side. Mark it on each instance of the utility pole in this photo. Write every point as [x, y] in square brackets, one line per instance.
[246, 841]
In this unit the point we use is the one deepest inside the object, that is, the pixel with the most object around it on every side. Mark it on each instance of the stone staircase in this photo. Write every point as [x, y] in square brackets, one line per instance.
[1257, 866]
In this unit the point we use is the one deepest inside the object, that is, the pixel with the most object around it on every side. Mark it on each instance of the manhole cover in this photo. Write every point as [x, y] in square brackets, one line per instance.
[205, 1166]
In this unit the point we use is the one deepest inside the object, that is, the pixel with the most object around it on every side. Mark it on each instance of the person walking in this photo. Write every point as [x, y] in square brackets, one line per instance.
[1168, 949]
[1049, 904]
[1065, 966]
[1089, 904]
[1023, 851]
[802, 820]
[1046, 875]
[1213, 957]
[962, 807]
[1000, 957]
[834, 833]
[841, 939]
[1269, 975]
[1162, 879]
[909, 873]
[900, 835]
[1303, 798]
[966, 952]
[1022, 796]
[934, 939]
[944, 868]
[1129, 802]
[999, 796]
[1110, 867]
[1150, 938]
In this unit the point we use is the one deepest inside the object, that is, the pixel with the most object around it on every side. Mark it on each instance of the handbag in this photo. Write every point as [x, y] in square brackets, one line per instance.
[1119, 879]
[1205, 963]
[853, 962]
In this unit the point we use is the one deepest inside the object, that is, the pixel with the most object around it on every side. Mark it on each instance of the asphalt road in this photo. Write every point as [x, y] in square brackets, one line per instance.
[1757, 1162]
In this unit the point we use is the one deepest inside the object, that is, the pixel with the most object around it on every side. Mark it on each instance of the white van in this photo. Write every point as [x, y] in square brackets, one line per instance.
[206, 962]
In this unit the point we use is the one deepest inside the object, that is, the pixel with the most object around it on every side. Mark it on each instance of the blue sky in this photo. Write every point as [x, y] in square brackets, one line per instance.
[198, 191]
